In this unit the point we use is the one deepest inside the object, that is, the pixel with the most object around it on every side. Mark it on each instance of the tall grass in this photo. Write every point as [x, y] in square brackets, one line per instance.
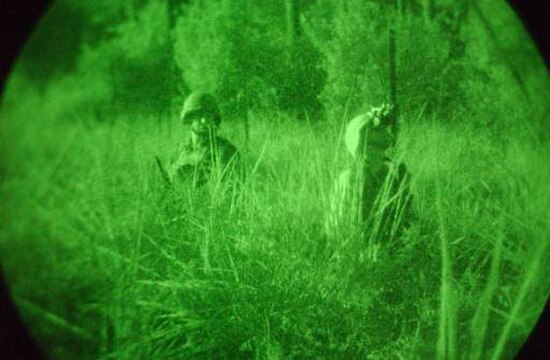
[93, 245]
[446, 342]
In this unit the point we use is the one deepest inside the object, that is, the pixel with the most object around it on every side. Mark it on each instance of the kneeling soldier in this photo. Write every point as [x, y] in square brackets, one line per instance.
[373, 193]
[205, 156]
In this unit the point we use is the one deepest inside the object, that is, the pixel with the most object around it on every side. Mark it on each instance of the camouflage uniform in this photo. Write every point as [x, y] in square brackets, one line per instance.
[205, 156]
[373, 191]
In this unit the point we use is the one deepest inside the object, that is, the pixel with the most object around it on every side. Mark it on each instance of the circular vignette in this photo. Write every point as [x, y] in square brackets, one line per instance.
[542, 47]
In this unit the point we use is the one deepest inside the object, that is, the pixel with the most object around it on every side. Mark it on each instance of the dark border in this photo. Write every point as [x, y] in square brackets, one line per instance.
[536, 19]
[17, 20]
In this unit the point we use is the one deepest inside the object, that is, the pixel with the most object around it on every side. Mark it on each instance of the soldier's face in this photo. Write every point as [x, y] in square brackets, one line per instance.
[203, 124]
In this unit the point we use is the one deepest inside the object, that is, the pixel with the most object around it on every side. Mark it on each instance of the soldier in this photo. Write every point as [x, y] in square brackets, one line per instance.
[373, 192]
[205, 156]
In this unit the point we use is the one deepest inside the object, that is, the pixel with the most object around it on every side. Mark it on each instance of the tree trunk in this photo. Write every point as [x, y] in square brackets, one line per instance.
[129, 9]
[395, 19]
[458, 46]
[393, 79]
[179, 87]
[427, 10]
[292, 20]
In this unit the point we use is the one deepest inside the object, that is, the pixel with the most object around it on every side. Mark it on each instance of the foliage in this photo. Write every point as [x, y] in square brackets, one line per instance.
[122, 60]
[245, 60]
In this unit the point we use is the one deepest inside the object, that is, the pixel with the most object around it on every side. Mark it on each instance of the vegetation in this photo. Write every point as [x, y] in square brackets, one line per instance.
[104, 263]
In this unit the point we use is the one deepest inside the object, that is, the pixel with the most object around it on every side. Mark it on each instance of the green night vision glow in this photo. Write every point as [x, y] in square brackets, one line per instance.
[291, 179]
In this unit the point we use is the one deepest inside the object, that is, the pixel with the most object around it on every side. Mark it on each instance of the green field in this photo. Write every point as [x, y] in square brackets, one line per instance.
[105, 264]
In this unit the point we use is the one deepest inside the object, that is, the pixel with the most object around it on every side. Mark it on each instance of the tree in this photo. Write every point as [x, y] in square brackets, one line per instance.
[229, 48]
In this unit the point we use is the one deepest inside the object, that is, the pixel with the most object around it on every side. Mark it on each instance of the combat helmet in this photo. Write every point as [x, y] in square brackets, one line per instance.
[200, 102]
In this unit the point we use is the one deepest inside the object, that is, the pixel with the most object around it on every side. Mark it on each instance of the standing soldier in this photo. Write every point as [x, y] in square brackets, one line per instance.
[206, 156]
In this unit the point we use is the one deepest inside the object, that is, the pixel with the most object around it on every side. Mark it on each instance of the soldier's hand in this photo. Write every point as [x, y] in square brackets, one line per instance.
[188, 158]
[383, 110]
[377, 114]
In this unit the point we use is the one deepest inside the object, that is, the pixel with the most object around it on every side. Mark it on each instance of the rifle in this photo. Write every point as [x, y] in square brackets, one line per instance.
[393, 81]
[163, 172]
